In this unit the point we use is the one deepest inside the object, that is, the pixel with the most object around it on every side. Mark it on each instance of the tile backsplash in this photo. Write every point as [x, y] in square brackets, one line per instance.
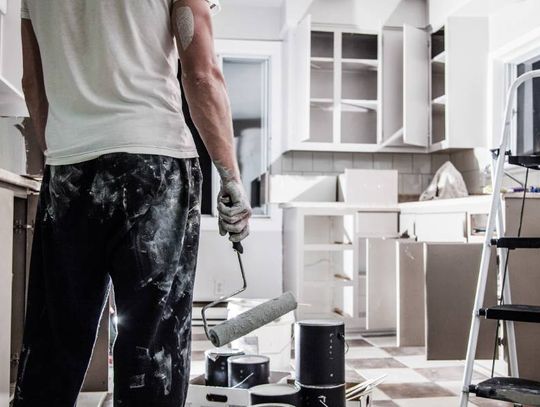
[415, 170]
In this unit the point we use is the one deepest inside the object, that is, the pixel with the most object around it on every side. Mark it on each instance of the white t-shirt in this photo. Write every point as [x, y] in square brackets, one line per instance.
[110, 71]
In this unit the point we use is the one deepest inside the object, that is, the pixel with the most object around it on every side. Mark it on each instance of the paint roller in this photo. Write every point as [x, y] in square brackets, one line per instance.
[250, 320]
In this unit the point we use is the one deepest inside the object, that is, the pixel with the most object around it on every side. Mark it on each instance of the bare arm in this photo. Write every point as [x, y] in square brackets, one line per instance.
[32, 82]
[210, 109]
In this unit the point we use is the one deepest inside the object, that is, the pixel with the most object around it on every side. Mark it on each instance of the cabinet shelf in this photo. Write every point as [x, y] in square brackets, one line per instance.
[322, 247]
[322, 103]
[329, 283]
[322, 63]
[439, 58]
[351, 64]
[359, 105]
[439, 101]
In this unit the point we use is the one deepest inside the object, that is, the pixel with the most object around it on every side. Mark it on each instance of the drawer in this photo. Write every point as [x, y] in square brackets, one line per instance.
[441, 227]
[377, 224]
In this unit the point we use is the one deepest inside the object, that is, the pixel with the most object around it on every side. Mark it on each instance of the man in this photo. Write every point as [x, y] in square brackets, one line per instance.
[121, 190]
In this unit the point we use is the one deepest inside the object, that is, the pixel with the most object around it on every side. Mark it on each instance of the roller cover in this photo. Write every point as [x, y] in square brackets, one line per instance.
[248, 321]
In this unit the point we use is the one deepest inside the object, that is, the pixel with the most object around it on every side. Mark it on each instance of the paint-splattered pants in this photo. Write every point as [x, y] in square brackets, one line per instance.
[133, 219]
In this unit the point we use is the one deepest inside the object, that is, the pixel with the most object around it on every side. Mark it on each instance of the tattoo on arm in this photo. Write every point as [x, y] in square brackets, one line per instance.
[186, 26]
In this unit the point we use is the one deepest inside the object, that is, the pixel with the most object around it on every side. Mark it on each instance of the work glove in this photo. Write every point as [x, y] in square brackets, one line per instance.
[234, 210]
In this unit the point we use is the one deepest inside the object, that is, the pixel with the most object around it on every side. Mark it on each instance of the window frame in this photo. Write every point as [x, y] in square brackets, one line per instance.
[269, 51]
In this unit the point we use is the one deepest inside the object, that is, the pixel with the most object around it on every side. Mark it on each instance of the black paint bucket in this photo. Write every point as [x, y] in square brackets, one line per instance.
[320, 352]
[217, 370]
[248, 371]
[275, 393]
[322, 396]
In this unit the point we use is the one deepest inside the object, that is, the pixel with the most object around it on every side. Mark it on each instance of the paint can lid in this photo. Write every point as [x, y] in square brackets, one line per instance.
[274, 389]
[249, 359]
[321, 322]
[274, 405]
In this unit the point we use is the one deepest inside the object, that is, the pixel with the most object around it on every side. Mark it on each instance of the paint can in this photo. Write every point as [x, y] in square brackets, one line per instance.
[248, 371]
[216, 372]
[275, 393]
[320, 352]
[322, 396]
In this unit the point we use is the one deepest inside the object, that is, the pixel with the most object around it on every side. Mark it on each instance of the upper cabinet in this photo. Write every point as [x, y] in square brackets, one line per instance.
[11, 96]
[459, 54]
[334, 89]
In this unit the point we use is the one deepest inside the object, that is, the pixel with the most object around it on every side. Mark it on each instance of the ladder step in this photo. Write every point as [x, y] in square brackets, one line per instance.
[513, 390]
[512, 312]
[517, 242]
[528, 161]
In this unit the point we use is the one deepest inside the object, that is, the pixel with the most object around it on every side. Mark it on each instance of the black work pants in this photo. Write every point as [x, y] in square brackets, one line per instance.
[133, 219]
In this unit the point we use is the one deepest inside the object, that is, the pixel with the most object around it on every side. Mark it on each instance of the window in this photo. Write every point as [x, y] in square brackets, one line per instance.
[247, 85]
[528, 111]
[252, 71]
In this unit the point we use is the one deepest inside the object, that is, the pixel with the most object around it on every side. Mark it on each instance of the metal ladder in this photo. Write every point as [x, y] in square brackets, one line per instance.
[511, 389]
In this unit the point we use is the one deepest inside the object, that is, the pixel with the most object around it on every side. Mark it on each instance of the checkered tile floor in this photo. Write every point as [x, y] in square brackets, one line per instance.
[411, 380]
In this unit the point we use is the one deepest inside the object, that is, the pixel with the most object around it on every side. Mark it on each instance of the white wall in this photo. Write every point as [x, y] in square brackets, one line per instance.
[236, 21]
[440, 9]
[514, 21]
[368, 15]
[218, 265]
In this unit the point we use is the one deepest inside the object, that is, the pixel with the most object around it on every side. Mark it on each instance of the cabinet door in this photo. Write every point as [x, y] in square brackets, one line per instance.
[467, 44]
[392, 82]
[6, 275]
[415, 86]
[11, 96]
[300, 84]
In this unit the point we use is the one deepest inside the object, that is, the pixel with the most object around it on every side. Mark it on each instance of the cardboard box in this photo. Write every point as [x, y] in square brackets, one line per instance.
[201, 395]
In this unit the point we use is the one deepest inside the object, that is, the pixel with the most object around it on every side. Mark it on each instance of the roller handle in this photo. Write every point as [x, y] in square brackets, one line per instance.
[237, 246]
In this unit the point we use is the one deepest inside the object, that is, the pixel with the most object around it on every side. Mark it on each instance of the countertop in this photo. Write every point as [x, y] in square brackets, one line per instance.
[473, 203]
[338, 206]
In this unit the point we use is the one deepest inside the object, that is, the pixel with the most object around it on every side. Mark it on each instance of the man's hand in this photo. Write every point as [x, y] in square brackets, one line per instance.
[234, 211]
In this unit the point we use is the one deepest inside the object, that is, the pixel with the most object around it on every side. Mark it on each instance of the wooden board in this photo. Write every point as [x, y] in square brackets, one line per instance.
[411, 305]
[451, 278]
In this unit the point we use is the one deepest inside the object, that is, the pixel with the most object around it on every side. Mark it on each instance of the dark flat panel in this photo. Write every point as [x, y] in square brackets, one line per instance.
[451, 277]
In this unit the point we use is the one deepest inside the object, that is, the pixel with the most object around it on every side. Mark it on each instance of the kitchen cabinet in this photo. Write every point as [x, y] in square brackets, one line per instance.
[459, 54]
[325, 256]
[11, 96]
[6, 264]
[405, 89]
[334, 89]
[458, 220]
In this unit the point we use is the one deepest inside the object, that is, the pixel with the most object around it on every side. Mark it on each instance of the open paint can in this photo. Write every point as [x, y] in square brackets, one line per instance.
[275, 393]
[320, 352]
[322, 396]
[217, 370]
[248, 371]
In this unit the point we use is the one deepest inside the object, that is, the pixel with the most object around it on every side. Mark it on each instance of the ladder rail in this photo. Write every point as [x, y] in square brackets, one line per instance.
[490, 229]
[507, 295]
